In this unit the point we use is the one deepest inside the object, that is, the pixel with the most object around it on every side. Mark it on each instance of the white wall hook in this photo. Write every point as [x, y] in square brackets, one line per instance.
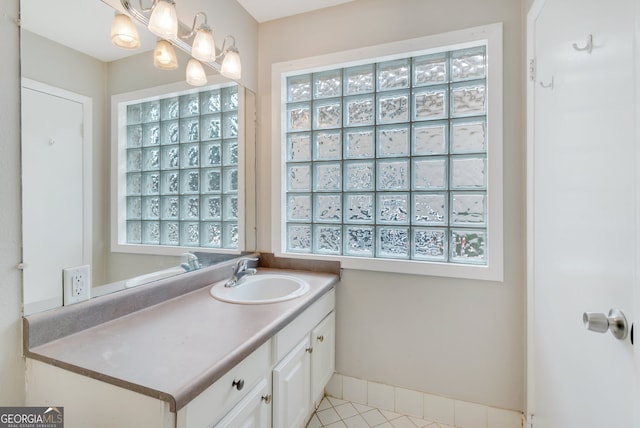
[588, 47]
[547, 85]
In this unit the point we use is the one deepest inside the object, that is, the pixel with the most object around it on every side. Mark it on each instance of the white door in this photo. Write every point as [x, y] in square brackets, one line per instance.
[252, 411]
[582, 212]
[292, 388]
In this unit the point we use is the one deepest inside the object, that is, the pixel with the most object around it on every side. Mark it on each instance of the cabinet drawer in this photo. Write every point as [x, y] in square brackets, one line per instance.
[208, 407]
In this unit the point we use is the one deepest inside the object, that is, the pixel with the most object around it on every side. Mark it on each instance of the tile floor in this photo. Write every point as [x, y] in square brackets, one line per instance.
[336, 413]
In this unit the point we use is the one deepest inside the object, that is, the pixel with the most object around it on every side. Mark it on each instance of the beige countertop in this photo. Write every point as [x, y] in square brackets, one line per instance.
[175, 349]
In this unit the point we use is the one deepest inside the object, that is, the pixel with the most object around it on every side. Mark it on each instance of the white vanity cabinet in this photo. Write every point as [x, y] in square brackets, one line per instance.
[254, 411]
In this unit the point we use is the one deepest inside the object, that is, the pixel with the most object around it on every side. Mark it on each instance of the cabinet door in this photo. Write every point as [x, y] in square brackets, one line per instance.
[253, 411]
[323, 356]
[292, 389]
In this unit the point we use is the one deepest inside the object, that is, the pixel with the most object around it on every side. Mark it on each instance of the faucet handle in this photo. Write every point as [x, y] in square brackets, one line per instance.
[243, 263]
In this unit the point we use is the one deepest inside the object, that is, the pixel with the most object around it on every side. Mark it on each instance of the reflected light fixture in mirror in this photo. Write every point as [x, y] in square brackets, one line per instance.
[163, 21]
[123, 33]
[195, 73]
[164, 56]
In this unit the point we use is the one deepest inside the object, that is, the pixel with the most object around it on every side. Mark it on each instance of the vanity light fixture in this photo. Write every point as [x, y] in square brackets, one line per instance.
[231, 65]
[163, 21]
[164, 56]
[124, 33]
[195, 73]
[203, 47]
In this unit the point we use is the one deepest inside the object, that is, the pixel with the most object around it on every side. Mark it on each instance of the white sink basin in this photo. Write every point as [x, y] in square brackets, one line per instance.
[261, 288]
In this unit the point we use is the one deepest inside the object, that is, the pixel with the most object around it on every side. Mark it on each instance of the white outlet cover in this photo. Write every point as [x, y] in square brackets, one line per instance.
[76, 284]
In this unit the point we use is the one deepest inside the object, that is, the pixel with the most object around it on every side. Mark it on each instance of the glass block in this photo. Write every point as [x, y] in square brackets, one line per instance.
[151, 208]
[211, 126]
[393, 175]
[211, 154]
[358, 241]
[430, 103]
[429, 244]
[393, 74]
[134, 232]
[392, 242]
[170, 108]
[393, 107]
[170, 132]
[299, 207]
[210, 102]
[151, 232]
[359, 110]
[151, 111]
[429, 209]
[299, 178]
[134, 208]
[468, 172]
[189, 156]
[230, 152]
[190, 234]
[189, 182]
[299, 117]
[169, 233]
[468, 64]
[359, 207]
[134, 160]
[211, 235]
[169, 208]
[392, 208]
[327, 84]
[468, 136]
[359, 143]
[134, 136]
[230, 208]
[150, 134]
[327, 114]
[230, 125]
[211, 208]
[359, 175]
[468, 209]
[134, 114]
[299, 147]
[327, 145]
[327, 208]
[393, 141]
[429, 138]
[430, 69]
[189, 130]
[468, 99]
[230, 180]
[230, 98]
[134, 184]
[429, 173]
[359, 79]
[468, 246]
[299, 88]
[151, 183]
[189, 207]
[189, 105]
[327, 239]
[299, 238]
[327, 177]
[170, 157]
[230, 235]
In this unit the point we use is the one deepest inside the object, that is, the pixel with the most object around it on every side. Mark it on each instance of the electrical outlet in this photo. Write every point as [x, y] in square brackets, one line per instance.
[76, 284]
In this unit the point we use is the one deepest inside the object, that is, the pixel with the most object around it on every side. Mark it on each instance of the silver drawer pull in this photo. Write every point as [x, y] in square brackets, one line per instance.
[309, 349]
[238, 384]
[266, 398]
[320, 338]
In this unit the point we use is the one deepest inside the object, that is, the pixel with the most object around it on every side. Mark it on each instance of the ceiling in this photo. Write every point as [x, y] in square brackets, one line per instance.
[69, 25]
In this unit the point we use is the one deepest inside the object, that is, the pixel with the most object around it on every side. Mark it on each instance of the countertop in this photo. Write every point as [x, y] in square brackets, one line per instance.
[176, 349]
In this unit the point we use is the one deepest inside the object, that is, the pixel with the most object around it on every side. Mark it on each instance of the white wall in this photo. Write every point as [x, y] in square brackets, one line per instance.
[11, 363]
[457, 338]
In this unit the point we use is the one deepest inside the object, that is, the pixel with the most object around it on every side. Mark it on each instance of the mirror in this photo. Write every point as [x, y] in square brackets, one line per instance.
[66, 191]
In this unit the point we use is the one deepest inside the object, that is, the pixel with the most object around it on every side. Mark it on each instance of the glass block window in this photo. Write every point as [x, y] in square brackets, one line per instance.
[182, 170]
[388, 159]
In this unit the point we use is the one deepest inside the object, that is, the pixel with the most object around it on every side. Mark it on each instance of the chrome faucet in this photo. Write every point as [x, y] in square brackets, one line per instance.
[190, 262]
[240, 270]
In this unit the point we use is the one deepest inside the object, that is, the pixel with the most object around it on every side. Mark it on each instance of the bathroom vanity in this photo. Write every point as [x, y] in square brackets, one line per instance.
[187, 360]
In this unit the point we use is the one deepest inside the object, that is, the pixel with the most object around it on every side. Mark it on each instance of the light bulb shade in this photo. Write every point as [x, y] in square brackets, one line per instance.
[204, 48]
[164, 56]
[195, 73]
[123, 33]
[163, 21]
[231, 65]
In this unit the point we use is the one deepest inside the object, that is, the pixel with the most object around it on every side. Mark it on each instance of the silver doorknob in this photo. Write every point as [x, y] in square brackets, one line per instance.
[616, 322]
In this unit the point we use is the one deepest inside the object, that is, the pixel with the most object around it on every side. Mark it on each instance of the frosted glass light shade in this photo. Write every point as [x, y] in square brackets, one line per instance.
[195, 73]
[204, 48]
[163, 21]
[231, 65]
[164, 56]
[123, 33]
